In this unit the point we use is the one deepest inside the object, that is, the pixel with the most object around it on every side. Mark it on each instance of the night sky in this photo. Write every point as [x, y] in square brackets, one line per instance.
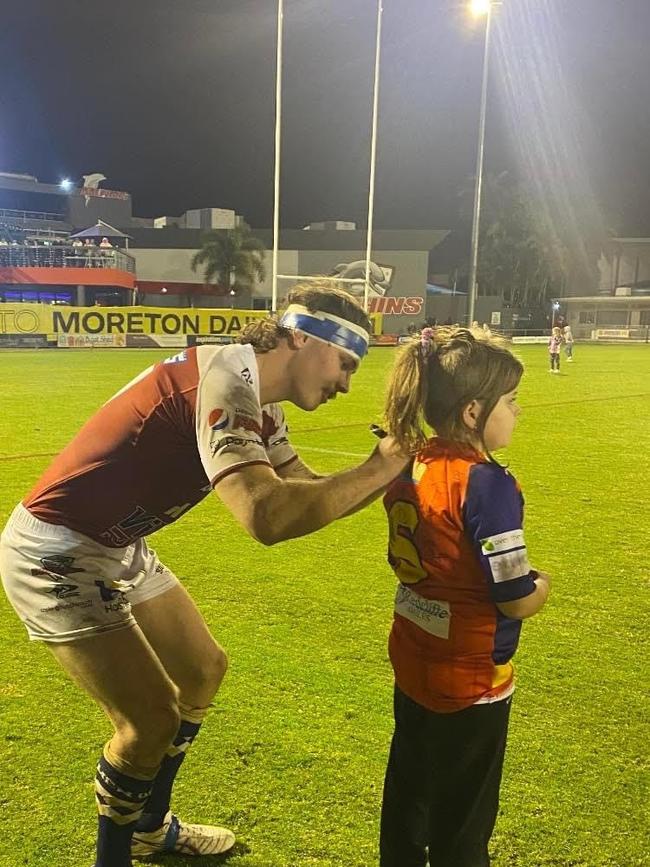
[173, 100]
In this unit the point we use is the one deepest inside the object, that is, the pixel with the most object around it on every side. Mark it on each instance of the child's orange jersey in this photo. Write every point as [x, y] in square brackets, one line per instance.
[457, 546]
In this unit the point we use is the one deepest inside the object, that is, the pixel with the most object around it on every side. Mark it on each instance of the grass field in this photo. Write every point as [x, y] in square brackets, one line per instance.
[293, 754]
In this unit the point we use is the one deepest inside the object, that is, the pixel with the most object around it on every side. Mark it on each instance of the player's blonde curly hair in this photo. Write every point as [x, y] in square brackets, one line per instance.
[321, 294]
[437, 374]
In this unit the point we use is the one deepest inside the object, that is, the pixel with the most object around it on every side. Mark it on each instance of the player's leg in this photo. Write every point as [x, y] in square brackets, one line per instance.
[469, 747]
[120, 671]
[196, 664]
[405, 805]
[72, 593]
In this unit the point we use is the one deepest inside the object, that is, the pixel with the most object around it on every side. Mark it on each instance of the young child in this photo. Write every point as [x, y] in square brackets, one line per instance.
[554, 343]
[457, 547]
[568, 342]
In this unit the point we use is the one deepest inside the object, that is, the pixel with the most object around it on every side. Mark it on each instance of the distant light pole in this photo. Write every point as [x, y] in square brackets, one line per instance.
[479, 7]
[555, 308]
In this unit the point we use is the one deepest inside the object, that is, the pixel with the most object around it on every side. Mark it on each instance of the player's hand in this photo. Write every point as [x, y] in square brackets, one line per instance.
[545, 577]
[391, 453]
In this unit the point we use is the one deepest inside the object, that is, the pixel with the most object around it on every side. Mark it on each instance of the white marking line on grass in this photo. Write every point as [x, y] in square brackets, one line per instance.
[331, 452]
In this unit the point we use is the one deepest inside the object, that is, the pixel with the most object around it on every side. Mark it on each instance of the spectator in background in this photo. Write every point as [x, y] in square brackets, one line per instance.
[554, 343]
[568, 342]
[77, 251]
[107, 252]
[90, 250]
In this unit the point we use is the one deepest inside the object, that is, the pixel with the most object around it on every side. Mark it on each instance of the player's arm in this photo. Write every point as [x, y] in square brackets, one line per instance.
[297, 469]
[273, 509]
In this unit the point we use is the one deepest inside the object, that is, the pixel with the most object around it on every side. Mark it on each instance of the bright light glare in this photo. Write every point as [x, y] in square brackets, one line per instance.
[480, 7]
[66, 184]
[556, 305]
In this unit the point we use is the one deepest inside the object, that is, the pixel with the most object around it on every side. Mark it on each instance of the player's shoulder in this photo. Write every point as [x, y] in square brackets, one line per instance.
[230, 368]
[232, 358]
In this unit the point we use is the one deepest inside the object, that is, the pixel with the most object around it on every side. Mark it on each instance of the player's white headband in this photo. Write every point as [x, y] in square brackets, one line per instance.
[348, 336]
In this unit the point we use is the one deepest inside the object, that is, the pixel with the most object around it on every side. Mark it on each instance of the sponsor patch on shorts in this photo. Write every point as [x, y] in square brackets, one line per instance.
[429, 614]
[511, 565]
[503, 542]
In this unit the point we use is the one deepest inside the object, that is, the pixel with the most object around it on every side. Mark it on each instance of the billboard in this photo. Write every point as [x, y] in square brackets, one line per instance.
[31, 319]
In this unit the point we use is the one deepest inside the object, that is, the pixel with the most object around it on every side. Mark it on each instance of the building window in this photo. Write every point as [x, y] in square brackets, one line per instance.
[35, 296]
[645, 317]
[613, 318]
[587, 317]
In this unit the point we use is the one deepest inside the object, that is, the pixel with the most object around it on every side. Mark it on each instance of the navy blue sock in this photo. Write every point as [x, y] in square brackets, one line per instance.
[120, 801]
[158, 803]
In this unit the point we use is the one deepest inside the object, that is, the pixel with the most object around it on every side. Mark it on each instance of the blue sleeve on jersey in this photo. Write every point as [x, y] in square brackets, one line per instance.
[493, 517]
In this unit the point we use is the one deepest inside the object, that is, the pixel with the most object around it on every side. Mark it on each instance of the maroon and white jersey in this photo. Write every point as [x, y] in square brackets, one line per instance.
[160, 445]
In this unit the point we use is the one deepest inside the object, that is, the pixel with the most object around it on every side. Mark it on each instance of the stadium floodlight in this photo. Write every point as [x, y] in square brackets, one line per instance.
[164, 290]
[65, 184]
[555, 306]
[480, 7]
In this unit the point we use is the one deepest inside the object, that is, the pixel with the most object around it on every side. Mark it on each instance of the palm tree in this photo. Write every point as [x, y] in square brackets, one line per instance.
[235, 257]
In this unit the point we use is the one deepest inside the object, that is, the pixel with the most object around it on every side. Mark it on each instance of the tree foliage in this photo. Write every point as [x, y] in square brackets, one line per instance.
[522, 252]
[231, 258]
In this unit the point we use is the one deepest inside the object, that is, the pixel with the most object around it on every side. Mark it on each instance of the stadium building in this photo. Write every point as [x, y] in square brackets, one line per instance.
[50, 252]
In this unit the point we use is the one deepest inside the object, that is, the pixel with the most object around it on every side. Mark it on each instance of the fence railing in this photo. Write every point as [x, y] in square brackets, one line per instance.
[64, 256]
[24, 216]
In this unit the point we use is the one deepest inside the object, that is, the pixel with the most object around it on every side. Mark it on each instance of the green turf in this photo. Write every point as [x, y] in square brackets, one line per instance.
[293, 754]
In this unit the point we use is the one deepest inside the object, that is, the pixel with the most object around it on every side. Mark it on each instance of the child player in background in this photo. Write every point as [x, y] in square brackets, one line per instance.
[568, 342]
[554, 343]
[457, 546]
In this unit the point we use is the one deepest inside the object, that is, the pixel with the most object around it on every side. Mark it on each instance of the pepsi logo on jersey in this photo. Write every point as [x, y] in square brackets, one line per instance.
[218, 419]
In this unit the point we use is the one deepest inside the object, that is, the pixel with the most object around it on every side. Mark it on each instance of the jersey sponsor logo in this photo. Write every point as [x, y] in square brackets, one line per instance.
[176, 359]
[431, 615]
[269, 427]
[62, 606]
[63, 591]
[113, 597]
[503, 542]
[56, 567]
[60, 564]
[139, 523]
[218, 419]
[247, 423]
[224, 443]
[247, 376]
[509, 566]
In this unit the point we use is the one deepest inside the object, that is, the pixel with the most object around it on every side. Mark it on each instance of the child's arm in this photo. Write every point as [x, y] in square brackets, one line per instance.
[520, 609]
[492, 515]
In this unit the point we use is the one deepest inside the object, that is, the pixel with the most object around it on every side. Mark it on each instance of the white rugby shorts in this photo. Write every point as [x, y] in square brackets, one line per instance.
[65, 586]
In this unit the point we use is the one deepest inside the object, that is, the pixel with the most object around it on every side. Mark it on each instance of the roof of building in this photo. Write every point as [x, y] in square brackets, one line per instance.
[605, 299]
[297, 239]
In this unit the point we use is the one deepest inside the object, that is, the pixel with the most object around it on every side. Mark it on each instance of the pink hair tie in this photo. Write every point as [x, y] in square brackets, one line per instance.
[426, 342]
